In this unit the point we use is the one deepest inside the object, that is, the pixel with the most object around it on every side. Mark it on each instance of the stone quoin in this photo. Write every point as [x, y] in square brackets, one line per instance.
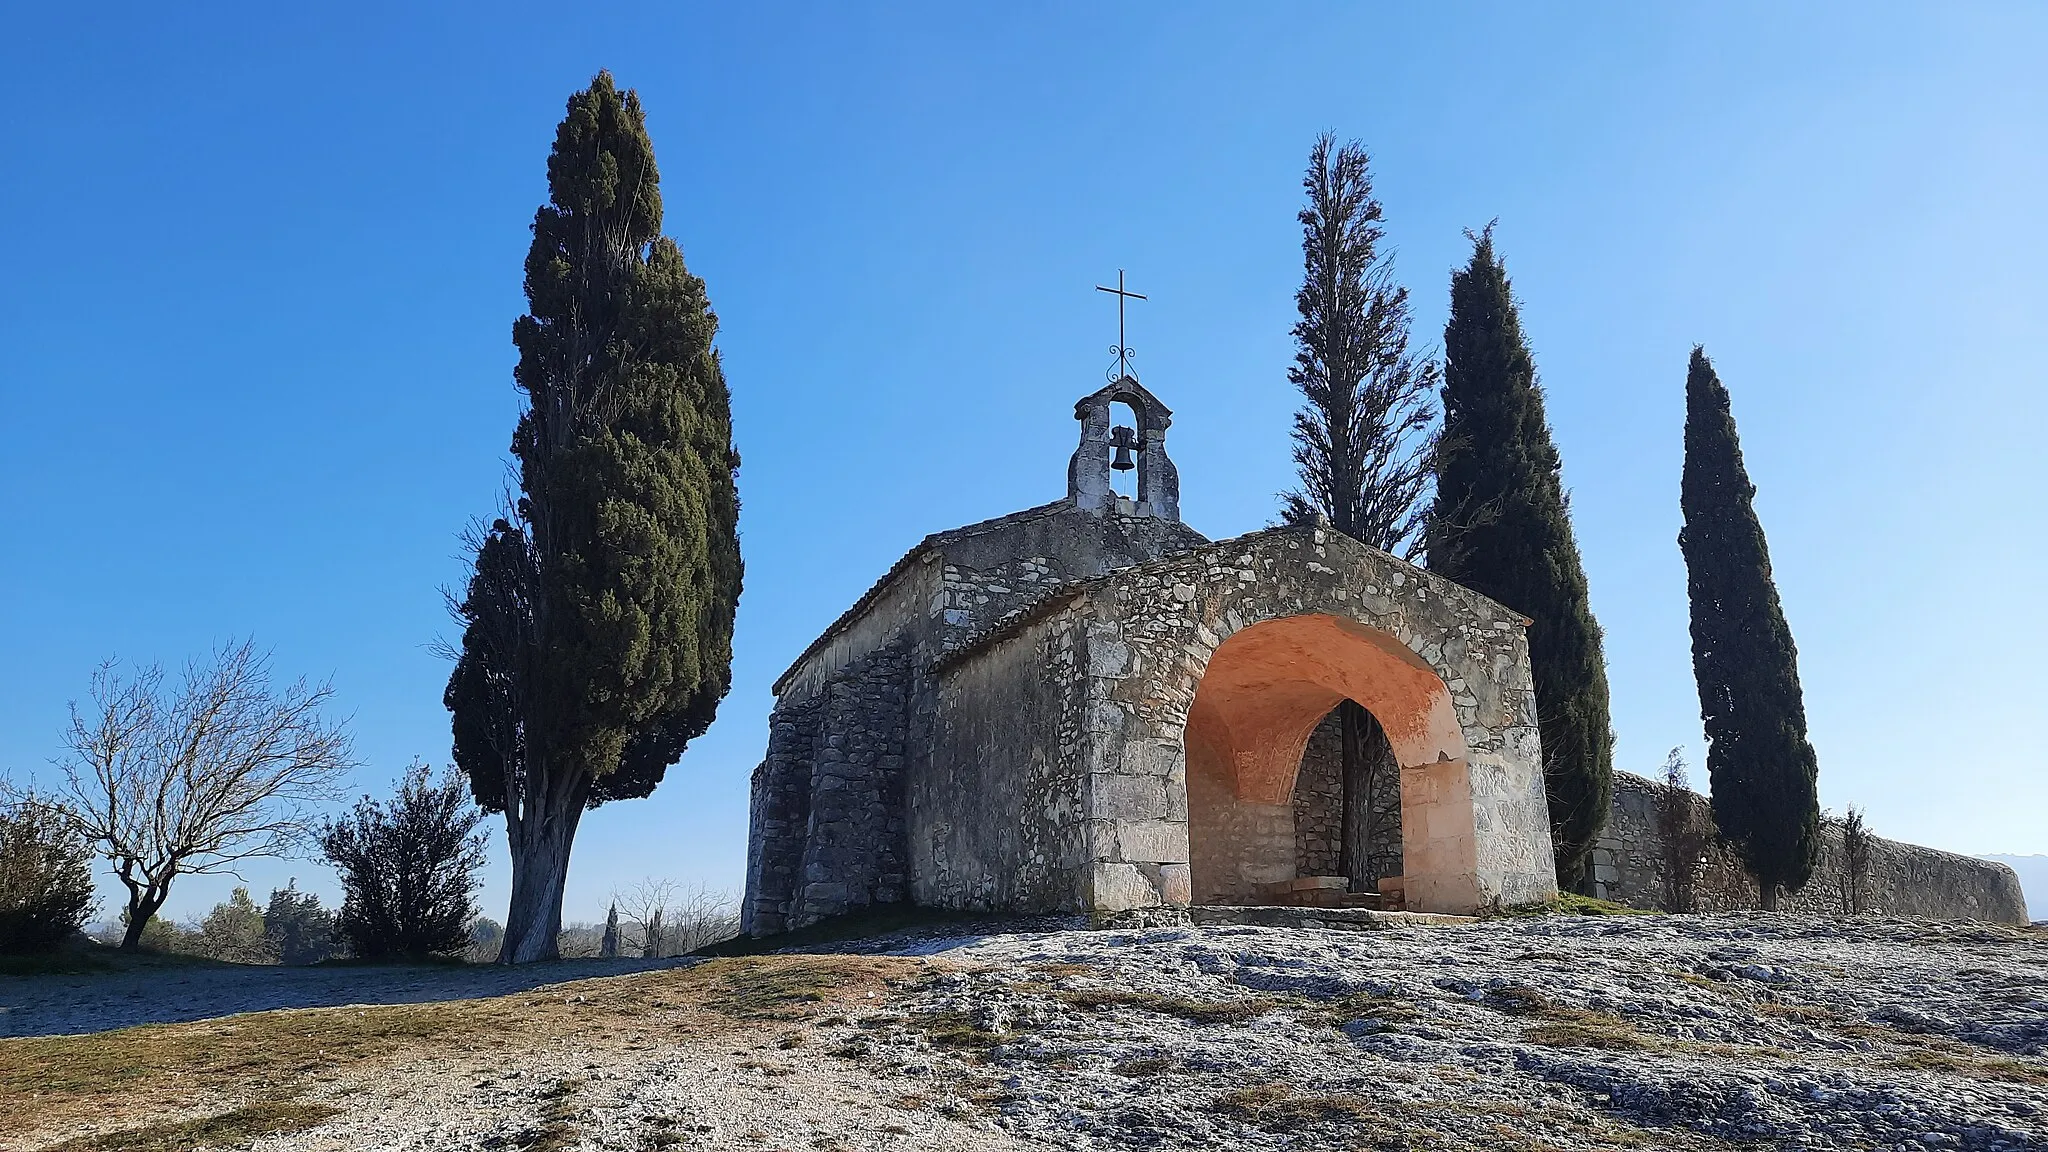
[1090, 707]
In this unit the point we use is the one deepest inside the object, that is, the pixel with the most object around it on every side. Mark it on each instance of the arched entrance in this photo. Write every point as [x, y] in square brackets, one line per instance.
[1261, 697]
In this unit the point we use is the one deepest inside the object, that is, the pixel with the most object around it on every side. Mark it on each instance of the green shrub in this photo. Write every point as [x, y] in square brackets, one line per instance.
[45, 878]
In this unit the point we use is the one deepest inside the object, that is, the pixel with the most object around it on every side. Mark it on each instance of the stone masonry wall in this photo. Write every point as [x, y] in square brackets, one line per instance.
[854, 720]
[855, 852]
[1318, 798]
[1629, 866]
[1237, 848]
[994, 808]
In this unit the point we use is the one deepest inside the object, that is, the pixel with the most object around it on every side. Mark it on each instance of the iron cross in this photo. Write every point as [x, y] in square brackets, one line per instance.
[1122, 349]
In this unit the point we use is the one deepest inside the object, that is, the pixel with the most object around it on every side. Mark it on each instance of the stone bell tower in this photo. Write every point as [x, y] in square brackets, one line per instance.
[1088, 472]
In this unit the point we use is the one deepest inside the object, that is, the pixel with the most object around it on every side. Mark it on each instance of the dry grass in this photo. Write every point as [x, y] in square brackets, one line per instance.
[1277, 1107]
[555, 1131]
[1562, 1026]
[1611, 1033]
[1801, 1013]
[2008, 1069]
[238, 1127]
[48, 1080]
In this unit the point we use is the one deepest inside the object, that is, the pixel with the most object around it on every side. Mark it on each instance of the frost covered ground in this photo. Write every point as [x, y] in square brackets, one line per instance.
[1560, 1033]
[1563, 1032]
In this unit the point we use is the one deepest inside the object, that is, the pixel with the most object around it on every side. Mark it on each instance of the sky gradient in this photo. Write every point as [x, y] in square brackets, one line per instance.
[263, 264]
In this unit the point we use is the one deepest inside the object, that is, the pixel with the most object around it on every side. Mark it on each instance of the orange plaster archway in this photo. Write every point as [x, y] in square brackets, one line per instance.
[1264, 691]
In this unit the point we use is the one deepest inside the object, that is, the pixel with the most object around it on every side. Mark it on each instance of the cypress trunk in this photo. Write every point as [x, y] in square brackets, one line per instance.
[1501, 525]
[1760, 766]
[540, 873]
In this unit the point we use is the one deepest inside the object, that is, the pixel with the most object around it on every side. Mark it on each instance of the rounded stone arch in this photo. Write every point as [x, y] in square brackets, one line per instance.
[1258, 697]
[1240, 649]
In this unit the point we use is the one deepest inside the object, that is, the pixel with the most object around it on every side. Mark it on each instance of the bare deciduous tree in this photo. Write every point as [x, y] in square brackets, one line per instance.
[194, 778]
[660, 918]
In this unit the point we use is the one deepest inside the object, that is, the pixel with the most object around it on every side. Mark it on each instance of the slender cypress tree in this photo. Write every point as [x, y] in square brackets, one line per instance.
[598, 621]
[1759, 764]
[1366, 430]
[1501, 524]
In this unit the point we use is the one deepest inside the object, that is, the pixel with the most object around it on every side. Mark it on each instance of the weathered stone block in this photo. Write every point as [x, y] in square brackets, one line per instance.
[1125, 798]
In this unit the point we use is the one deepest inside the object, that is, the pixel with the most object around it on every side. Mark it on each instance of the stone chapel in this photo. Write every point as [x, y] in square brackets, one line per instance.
[1089, 707]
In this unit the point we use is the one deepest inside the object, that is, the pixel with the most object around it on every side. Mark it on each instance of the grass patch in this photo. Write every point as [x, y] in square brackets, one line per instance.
[44, 1079]
[958, 1031]
[778, 988]
[1277, 1107]
[1801, 1013]
[1143, 1066]
[554, 1132]
[1610, 1032]
[1567, 904]
[1366, 1006]
[237, 1127]
[1973, 1067]
[1193, 1011]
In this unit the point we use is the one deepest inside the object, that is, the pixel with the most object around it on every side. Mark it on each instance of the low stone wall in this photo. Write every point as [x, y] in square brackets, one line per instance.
[1630, 866]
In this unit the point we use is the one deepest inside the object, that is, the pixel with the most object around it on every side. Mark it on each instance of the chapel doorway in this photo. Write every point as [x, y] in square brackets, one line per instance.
[1347, 833]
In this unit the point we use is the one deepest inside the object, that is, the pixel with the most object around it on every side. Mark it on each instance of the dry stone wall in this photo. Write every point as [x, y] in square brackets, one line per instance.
[1630, 866]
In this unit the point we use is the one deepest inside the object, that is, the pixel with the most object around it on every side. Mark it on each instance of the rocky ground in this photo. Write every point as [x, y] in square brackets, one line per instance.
[1563, 1032]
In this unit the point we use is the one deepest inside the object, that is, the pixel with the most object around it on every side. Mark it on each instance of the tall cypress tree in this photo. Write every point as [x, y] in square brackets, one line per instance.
[1501, 524]
[1366, 429]
[597, 635]
[1760, 766]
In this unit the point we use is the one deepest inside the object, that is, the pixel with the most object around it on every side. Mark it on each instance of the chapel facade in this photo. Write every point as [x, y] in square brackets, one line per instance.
[1088, 706]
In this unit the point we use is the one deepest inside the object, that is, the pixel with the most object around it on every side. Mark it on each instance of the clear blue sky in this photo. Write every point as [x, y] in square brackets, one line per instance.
[262, 263]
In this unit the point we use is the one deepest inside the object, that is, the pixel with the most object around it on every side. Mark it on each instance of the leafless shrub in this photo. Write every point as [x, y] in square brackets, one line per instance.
[1856, 837]
[1683, 835]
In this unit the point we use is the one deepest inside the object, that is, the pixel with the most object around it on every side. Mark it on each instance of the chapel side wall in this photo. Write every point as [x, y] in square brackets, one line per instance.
[1630, 866]
[994, 805]
[825, 831]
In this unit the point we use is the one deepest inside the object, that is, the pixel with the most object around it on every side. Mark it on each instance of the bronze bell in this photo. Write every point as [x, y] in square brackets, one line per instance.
[1123, 440]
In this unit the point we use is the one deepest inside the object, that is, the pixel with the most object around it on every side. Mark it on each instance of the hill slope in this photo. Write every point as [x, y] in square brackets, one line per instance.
[1561, 1033]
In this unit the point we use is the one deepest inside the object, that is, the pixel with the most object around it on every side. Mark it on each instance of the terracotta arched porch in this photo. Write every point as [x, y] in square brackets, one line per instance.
[1262, 694]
